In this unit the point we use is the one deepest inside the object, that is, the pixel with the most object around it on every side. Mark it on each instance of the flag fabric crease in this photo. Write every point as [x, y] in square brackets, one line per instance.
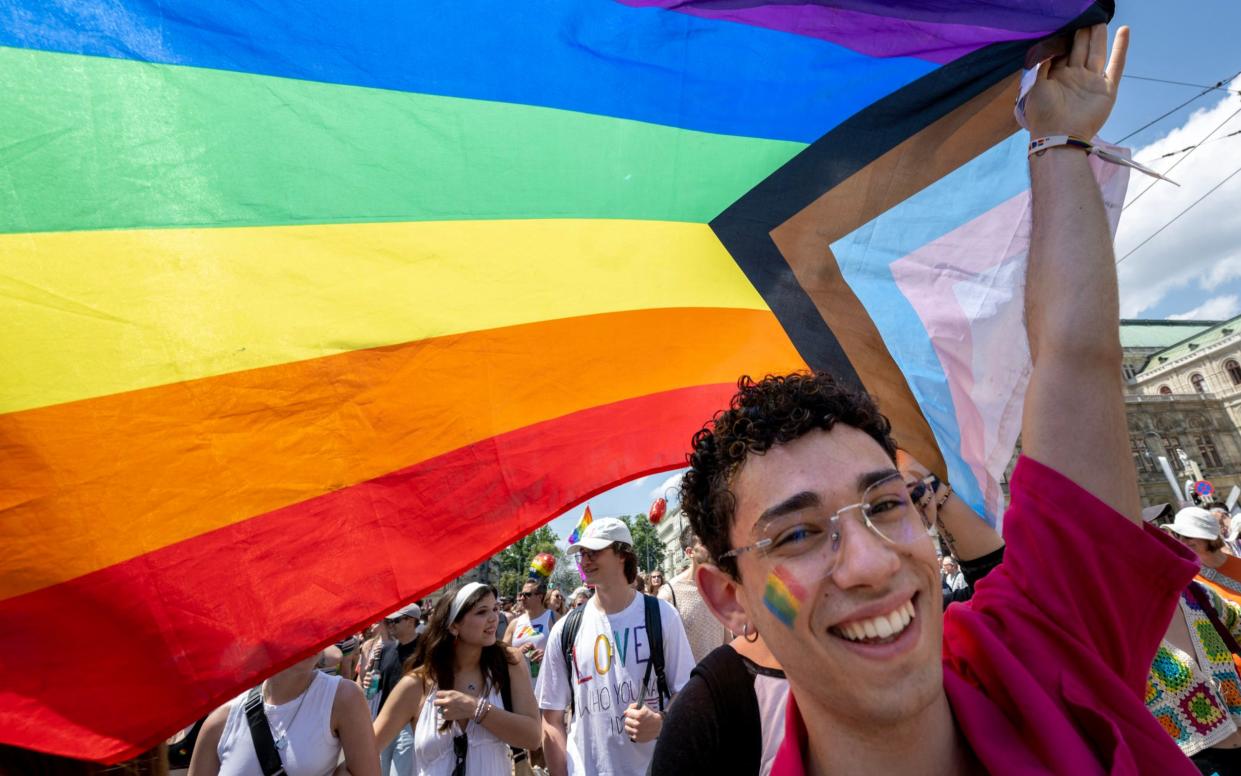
[308, 309]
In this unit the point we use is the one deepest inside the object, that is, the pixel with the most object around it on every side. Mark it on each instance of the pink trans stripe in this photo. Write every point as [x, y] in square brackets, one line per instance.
[882, 35]
[967, 288]
[961, 288]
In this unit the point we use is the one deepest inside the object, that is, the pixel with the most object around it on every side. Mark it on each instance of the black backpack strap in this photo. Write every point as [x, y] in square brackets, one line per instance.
[655, 637]
[568, 635]
[506, 698]
[731, 684]
[260, 733]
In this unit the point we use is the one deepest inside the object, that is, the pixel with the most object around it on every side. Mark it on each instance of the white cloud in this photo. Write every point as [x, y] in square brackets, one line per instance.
[1218, 308]
[667, 488]
[1201, 250]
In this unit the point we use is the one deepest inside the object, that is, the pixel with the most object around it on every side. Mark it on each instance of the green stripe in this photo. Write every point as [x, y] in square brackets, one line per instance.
[93, 143]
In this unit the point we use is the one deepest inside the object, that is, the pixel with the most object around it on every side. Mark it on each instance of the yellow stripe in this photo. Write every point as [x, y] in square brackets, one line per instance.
[95, 313]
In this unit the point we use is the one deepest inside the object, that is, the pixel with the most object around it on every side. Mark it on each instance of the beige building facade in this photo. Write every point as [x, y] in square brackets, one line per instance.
[1184, 402]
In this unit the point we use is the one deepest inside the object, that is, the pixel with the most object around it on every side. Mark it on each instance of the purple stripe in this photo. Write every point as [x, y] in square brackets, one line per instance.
[932, 31]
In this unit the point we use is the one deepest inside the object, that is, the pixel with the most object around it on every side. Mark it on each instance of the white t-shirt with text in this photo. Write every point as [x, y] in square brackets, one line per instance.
[612, 652]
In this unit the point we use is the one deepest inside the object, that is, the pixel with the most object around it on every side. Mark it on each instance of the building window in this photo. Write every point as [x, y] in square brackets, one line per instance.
[1199, 382]
[1142, 457]
[1165, 390]
[1234, 372]
[1206, 448]
[1170, 445]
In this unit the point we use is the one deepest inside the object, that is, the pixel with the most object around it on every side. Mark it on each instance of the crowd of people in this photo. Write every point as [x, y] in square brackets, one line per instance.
[843, 610]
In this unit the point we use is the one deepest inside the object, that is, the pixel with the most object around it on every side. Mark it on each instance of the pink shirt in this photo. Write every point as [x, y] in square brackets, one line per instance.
[1046, 666]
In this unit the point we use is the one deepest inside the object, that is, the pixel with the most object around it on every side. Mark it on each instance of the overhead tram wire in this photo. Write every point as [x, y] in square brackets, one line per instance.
[1178, 215]
[1205, 91]
[1188, 152]
[1217, 87]
[1186, 149]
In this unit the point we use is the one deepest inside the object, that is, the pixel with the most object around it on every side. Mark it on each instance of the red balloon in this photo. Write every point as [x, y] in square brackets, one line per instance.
[656, 513]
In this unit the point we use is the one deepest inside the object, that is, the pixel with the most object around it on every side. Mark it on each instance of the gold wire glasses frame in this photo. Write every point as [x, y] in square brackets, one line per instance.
[887, 509]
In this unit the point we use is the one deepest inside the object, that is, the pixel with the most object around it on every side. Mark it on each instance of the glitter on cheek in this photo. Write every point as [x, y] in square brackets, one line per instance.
[783, 595]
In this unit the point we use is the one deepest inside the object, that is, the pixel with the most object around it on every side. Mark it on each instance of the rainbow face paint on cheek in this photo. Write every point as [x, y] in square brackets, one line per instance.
[783, 595]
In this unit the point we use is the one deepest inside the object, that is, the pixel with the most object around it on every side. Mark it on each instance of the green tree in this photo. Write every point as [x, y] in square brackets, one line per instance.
[513, 562]
[646, 544]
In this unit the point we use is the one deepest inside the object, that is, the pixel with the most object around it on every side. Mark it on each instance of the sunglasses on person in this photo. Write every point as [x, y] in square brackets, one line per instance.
[527, 594]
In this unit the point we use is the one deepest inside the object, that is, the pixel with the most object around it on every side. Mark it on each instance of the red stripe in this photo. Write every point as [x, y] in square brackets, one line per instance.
[107, 665]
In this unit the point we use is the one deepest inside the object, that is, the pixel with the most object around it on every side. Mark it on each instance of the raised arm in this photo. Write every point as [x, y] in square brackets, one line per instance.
[1074, 415]
[967, 535]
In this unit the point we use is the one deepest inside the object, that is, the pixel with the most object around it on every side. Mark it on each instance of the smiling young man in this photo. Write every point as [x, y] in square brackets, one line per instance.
[818, 547]
[609, 681]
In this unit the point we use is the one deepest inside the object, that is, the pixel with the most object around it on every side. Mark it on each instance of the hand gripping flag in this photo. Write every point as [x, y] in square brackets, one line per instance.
[306, 308]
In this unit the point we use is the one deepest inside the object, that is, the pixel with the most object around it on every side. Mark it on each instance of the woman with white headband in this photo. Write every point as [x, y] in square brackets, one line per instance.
[467, 695]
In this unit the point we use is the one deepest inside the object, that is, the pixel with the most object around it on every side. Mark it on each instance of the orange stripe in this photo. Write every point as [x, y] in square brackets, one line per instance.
[177, 631]
[103, 480]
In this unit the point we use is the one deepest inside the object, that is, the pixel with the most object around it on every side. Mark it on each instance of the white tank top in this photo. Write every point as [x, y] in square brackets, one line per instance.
[313, 750]
[433, 750]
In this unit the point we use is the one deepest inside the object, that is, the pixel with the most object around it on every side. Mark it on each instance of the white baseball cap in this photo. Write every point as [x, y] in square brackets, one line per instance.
[412, 610]
[601, 533]
[1195, 523]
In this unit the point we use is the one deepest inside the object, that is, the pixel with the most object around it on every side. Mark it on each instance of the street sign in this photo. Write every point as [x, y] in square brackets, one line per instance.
[1203, 488]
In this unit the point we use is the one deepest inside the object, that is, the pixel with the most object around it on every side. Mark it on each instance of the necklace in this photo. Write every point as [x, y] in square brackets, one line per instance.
[282, 740]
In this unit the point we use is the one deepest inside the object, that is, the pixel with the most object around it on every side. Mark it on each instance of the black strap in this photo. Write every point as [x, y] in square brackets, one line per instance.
[506, 699]
[568, 635]
[731, 684]
[655, 636]
[260, 733]
[460, 751]
[1200, 595]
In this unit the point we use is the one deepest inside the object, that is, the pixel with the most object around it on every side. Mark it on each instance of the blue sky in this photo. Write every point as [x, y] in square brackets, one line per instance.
[1194, 266]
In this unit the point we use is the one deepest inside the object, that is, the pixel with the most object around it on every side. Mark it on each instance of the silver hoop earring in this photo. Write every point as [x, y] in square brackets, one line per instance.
[745, 633]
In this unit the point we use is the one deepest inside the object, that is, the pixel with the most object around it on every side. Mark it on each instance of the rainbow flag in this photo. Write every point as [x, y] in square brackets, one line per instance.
[309, 307]
[586, 520]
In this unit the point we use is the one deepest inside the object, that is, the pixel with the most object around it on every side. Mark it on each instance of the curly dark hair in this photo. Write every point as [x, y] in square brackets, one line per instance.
[761, 415]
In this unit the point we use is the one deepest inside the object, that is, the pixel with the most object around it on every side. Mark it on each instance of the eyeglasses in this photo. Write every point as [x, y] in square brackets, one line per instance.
[805, 538]
[584, 554]
[526, 594]
[402, 618]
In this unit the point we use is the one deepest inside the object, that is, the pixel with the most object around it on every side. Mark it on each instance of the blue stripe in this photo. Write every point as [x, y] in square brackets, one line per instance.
[590, 56]
[866, 255]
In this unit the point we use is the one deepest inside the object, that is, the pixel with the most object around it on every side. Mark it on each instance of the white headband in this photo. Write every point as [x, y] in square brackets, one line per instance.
[463, 595]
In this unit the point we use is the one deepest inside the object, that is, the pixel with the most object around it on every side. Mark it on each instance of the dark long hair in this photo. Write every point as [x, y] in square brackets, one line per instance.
[432, 661]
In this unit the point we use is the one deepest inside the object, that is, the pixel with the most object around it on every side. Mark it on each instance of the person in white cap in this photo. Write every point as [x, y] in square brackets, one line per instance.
[397, 759]
[1198, 530]
[620, 675]
[1193, 684]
